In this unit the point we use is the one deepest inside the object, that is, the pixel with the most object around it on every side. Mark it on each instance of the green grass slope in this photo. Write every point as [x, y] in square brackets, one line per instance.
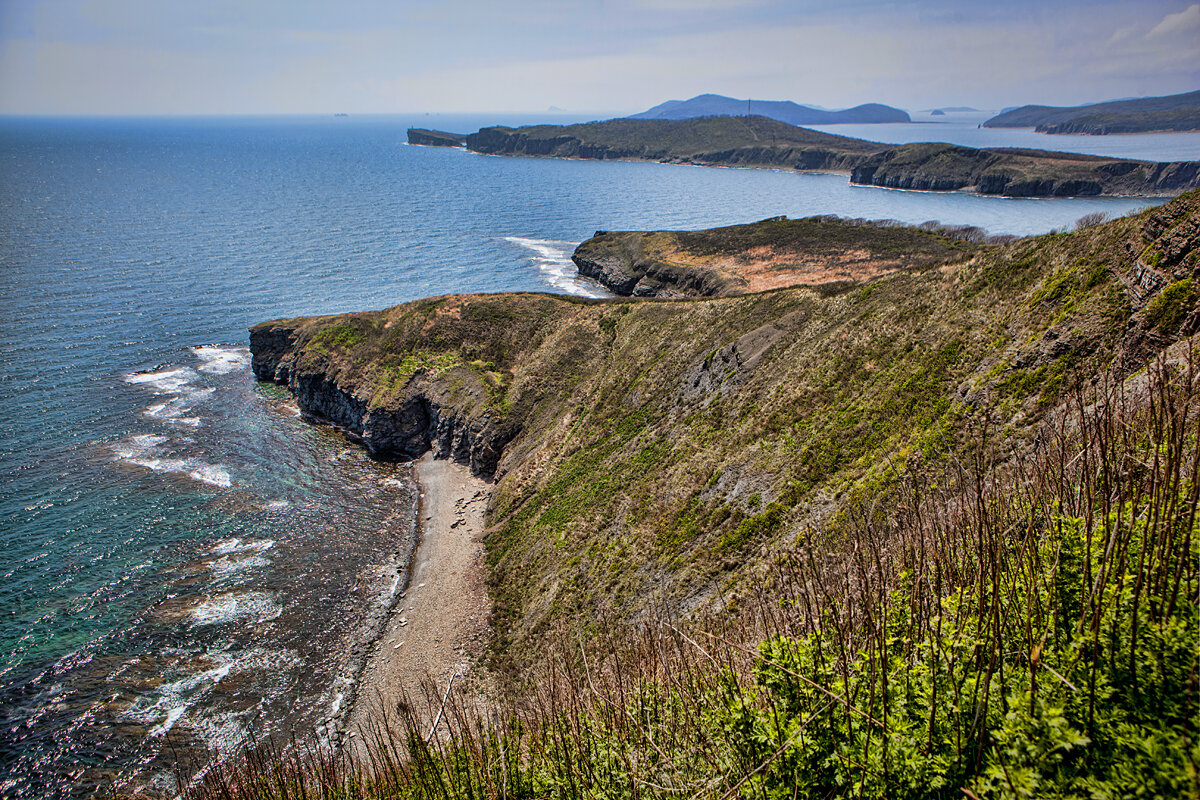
[648, 453]
[932, 535]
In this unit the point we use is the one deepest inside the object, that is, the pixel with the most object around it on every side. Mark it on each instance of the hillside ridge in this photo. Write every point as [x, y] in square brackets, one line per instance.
[1178, 112]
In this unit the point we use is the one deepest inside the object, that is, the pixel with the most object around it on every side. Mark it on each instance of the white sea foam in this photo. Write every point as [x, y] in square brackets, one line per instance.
[222, 360]
[393, 483]
[168, 381]
[211, 474]
[173, 699]
[225, 566]
[235, 545]
[553, 259]
[244, 606]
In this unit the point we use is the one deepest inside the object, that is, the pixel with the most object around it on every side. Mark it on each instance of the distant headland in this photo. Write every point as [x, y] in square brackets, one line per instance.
[758, 141]
[1176, 112]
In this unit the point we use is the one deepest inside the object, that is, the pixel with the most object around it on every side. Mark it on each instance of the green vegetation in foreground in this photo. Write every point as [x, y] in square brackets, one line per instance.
[996, 632]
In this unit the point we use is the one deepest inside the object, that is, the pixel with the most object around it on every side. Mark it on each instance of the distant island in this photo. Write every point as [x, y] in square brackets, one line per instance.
[768, 143]
[1177, 112]
[716, 105]
[952, 110]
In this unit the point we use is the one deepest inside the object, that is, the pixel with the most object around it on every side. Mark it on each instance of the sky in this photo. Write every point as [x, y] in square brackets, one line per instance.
[171, 57]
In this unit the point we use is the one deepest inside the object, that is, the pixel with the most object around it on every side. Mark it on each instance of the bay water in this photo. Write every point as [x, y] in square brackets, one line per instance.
[185, 564]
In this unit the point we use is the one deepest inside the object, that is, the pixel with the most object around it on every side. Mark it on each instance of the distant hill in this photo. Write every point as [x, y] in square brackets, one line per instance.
[715, 105]
[761, 142]
[1177, 112]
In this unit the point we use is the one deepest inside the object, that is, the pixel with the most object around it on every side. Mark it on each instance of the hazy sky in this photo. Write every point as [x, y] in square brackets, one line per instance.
[302, 56]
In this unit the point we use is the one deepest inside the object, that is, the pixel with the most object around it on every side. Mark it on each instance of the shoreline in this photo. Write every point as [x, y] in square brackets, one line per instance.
[437, 627]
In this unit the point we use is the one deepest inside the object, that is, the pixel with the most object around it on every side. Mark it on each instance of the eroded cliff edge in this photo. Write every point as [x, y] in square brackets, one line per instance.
[655, 453]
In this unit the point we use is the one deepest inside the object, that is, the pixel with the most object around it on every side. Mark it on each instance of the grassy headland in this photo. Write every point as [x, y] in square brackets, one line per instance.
[1177, 112]
[761, 142]
[912, 535]
[771, 254]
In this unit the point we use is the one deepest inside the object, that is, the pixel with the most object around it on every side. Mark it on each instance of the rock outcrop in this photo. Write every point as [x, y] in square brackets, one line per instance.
[426, 416]
[431, 138]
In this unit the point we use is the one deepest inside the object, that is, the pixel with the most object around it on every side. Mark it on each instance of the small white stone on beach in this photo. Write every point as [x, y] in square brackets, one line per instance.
[420, 585]
[396, 646]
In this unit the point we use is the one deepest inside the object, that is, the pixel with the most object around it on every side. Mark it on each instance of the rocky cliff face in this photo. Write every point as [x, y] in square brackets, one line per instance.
[430, 138]
[1021, 173]
[428, 415]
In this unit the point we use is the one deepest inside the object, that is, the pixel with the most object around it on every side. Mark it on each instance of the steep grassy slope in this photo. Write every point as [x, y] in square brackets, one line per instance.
[652, 453]
[771, 254]
[1177, 112]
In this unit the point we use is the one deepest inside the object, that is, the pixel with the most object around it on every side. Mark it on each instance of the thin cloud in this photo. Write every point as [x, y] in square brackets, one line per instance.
[1181, 22]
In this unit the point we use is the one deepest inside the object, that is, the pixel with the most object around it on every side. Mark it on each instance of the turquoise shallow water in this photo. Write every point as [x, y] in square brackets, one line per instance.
[184, 559]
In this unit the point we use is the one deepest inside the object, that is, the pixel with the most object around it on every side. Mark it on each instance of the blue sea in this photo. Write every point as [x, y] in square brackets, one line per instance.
[185, 564]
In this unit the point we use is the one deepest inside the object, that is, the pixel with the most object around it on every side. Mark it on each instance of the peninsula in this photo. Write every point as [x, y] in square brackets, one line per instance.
[767, 143]
[1177, 112]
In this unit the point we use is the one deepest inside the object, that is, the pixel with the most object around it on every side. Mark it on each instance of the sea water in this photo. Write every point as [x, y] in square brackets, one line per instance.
[185, 564]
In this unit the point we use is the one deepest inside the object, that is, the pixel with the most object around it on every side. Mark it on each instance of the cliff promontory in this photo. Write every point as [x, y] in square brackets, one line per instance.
[761, 142]
[771, 254]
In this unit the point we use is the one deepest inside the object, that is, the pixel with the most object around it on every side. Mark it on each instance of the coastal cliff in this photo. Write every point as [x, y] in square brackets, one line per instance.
[770, 254]
[1021, 173]
[1178, 112]
[656, 453]
[766, 143]
[432, 138]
